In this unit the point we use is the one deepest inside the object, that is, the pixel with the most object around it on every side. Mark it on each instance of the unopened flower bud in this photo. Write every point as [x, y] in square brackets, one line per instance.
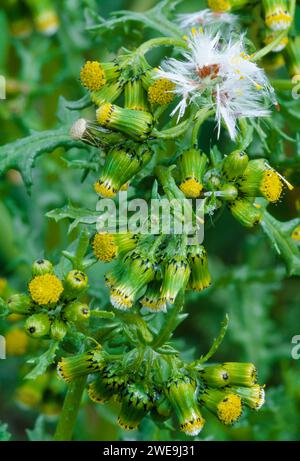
[245, 212]
[181, 392]
[136, 402]
[191, 166]
[76, 312]
[38, 325]
[234, 165]
[136, 124]
[20, 304]
[41, 267]
[58, 329]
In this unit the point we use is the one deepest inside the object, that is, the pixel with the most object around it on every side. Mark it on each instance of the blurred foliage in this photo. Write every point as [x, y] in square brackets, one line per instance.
[250, 282]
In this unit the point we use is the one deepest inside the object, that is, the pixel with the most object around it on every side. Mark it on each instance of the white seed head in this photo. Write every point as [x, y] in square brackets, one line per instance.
[78, 129]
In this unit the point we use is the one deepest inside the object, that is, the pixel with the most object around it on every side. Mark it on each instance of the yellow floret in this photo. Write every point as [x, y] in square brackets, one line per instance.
[103, 114]
[271, 186]
[92, 76]
[104, 247]
[45, 289]
[161, 92]
[191, 188]
[230, 409]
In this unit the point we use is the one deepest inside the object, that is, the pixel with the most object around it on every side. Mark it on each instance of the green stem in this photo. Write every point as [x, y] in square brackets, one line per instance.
[159, 41]
[282, 84]
[201, 116]
[268, 48]
[68, 416]
[174, 132]
[171, 323]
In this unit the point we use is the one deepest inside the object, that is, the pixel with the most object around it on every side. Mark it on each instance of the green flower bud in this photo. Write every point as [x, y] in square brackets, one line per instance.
[136, 124]
[253, 397]
[121, 164]
[226, 406]
[135, 96]
[245, 212]
[152, 300]
[214, 376]
[58, 329]
[108, 93]
[191, 166]
[76, 312]
[38, 325]
[234, 165]
[98, 392]
[138, 271]
[181, 393]
[113, 379]
[260, 180]
[241, 374]
[277, 15]
[75, 283]
[136, 403]
[176, 276]
[20, 304]
[292, 56]
[95, 135]
[109, 382]
[200, 277]
[41, 267]
[83, 364]
[229, 192]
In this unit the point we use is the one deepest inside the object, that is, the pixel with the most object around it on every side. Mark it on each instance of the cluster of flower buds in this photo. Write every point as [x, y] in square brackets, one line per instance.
[244, 180]
[52, 305]
[26, 13]
[221, 389]
[149, 269]
[121, 131]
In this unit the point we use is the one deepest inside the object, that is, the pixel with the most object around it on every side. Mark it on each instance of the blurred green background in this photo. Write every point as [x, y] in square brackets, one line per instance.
[249, 280]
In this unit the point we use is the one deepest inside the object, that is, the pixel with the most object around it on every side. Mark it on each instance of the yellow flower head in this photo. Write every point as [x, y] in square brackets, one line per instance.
[104, 247]
[271, 185]
[161, 92]
[219, 6]
[45, 289]
[229, 409]
[103, 113]
[191, 188]
[16, 342]
[47, 22]
[92, 75]
[104, 189]
[296, 234]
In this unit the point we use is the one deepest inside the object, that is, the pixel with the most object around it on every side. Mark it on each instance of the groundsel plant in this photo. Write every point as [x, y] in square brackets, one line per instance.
[140, 123]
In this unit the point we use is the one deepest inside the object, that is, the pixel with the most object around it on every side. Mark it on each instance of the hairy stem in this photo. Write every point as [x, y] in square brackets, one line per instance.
[159, 41]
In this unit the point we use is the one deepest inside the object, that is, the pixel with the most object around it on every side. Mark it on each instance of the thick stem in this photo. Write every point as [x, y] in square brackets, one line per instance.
[68, 416]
